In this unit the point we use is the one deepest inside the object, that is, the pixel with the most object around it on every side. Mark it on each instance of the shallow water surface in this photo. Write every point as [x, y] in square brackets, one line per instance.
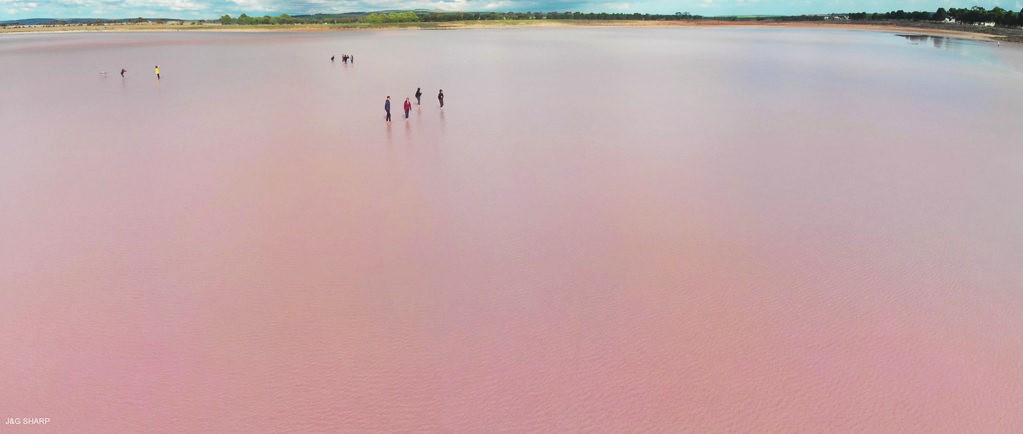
[604, 229]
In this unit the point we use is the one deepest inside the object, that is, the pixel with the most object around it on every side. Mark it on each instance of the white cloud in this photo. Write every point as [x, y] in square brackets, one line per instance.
[165, 5]
[254, 5]
[452, 5]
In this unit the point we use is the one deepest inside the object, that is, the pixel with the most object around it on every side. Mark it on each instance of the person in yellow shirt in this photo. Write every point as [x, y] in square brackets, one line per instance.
[157, 72]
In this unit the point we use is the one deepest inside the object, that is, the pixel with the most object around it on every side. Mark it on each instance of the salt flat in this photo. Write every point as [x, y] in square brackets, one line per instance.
[623, 229]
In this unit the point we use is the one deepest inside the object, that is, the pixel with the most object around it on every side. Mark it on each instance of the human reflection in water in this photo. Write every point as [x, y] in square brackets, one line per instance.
[441, 121]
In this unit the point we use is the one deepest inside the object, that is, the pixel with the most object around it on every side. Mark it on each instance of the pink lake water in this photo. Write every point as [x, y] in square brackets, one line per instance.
[604, 230]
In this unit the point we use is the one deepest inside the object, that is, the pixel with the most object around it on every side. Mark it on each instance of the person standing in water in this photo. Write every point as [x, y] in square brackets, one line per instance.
[332, 59]
[157, 67]
[440, 96]
[419, 94]
[123, 71]
[387, 108]
[408, 107]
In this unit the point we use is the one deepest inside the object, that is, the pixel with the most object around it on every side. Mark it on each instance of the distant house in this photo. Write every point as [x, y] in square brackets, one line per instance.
[987, 24]
[949, 20]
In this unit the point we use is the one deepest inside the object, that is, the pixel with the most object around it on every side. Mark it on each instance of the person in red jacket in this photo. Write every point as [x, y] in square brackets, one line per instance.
[408, 106]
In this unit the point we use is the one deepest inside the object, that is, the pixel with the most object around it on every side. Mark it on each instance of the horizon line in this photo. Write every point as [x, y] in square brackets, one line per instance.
[214, 18]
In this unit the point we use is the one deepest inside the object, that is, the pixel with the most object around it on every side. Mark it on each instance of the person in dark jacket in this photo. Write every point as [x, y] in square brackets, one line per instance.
[440, 96]
[387, 108]
[408, 107]
[419, 94]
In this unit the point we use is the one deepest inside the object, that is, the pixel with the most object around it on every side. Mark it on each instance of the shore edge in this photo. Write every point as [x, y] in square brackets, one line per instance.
[925, 29]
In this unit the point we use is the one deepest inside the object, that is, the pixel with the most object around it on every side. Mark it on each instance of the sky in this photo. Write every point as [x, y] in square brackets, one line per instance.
[189, 9]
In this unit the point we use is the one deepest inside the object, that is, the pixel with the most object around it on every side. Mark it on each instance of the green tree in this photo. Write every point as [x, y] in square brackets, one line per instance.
[226, 19]
[997, 15]
[395, 17]
[940, 14]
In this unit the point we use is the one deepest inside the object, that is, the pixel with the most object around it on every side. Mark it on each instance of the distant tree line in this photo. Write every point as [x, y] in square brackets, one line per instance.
[600, 16]
[973, 15]
[393, 17]
[976, 14]
[244, 19]
[410, 16]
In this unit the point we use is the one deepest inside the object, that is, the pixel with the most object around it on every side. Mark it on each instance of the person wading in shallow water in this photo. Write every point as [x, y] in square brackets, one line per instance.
[407, 107]
[123, 71]
[157, 67]
[440, 97]
[419, 94]
[387, 108]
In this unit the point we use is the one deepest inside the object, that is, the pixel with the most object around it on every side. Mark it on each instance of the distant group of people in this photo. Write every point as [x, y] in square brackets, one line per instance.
[407, 106]
[156, 70]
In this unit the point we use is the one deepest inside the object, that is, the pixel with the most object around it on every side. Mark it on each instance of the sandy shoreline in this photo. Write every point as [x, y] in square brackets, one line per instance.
[895, 27]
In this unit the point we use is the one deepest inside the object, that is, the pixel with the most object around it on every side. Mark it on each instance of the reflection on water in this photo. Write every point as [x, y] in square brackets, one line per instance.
[608, 229]
[936, 41]
[978, 50]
